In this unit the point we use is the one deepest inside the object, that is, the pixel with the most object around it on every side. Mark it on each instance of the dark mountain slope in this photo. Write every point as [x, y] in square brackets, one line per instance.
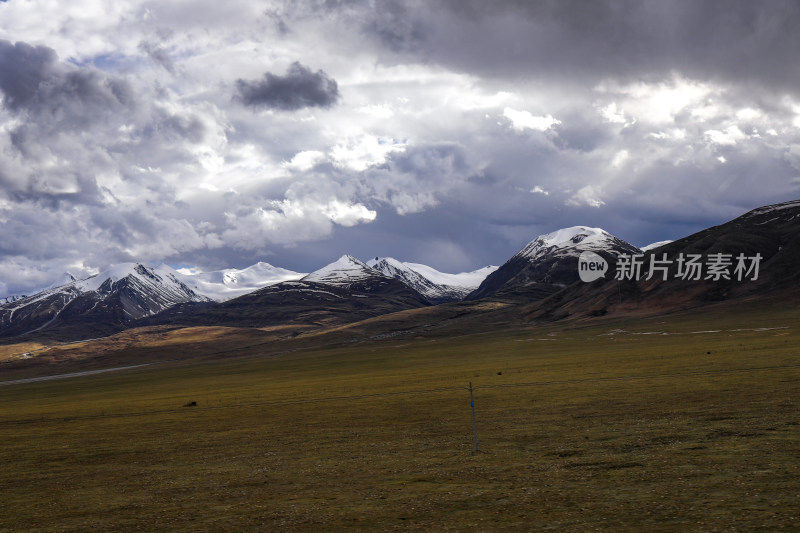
[767, 238]
[549, 263]
[351, 291]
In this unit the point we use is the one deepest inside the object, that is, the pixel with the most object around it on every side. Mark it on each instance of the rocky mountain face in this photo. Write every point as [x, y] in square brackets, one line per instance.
[98, 305]
[11, 299]
[344, 291]
[437, 287]
[549, 263]
[752, 256]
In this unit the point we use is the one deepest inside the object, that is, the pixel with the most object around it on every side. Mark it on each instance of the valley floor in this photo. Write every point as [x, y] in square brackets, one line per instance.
[683, 423]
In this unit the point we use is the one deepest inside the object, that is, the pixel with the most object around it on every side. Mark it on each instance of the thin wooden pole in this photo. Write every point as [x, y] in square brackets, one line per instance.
[474, 425]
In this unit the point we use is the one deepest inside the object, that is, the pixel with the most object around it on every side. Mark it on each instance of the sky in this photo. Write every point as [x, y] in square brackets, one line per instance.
[212, 135]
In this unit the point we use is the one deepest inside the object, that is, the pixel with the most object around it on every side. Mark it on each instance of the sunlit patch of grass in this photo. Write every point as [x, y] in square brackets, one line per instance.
[20, 350]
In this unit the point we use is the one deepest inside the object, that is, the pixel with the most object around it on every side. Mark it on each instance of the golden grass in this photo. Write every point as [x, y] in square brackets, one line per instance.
[588, 428]
[20, 350]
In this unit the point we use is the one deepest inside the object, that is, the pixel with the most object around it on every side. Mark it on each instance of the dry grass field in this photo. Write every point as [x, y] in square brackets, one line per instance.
[686, 423]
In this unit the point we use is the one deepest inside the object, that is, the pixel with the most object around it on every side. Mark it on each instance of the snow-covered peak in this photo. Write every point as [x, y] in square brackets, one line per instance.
[344, 271]
[372, 263]
[391, 267]
[128, 291]
[222, 285]
[654, 245]
[113, 274]
[577, 238]
[434, 285]
[65, 278]
[467, 280]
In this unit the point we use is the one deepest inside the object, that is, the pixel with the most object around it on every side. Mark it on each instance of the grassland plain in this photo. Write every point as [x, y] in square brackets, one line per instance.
[685, 423]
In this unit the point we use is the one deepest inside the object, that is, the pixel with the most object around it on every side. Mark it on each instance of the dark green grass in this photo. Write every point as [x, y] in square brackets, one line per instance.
[578, 430]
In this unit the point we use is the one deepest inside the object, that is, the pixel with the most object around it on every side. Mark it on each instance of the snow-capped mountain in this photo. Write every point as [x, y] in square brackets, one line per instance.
[435, 286]
[571, 242]
[223, 285]
[344, 272]
[98, 304]
[768, 238]
[550, 261]
[11, 299]
[342, 292]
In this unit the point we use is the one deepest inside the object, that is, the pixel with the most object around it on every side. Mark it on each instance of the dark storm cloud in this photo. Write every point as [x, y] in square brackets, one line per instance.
[589, 40]
[398, 27]
[418, 177]
[23, 68]
[650, 119]
[32, 79]
[297, 89]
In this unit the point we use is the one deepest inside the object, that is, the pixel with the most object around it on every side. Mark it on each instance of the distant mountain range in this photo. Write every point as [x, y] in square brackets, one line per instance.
[541, 281]
[133, 294]
[100, 304]
[344, 291]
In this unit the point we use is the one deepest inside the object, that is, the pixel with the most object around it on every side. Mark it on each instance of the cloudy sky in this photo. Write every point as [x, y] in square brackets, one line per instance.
[211, 134]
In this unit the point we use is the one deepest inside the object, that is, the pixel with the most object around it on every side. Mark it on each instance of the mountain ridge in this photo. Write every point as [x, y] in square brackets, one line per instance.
[99, 304]
[437, 287]
[540, 282]
[550, 262]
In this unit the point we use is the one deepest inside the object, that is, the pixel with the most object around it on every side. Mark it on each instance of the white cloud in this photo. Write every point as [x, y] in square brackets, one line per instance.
[364, 151]
[586, 196]
[611, 114]
[469, 100]
[305, 160]
[661, 102]
[522, 120]
[291, 221]
[730, 136]
[406, 202]
[381, 111]
[539, 190]
[346, 214]
[748, 113]
[675, 134]
[620, 158]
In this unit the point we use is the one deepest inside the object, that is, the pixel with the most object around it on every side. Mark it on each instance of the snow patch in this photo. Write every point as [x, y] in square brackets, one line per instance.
[223, 285]
[773, 208]
[466, 280]
[654, 245]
